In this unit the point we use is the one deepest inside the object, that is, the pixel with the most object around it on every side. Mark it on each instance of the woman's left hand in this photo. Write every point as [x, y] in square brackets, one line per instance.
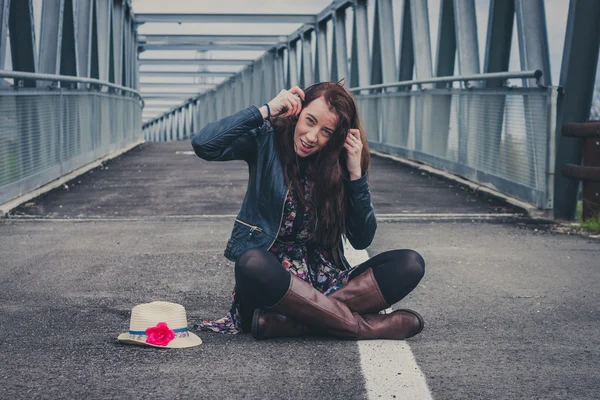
[354, 148]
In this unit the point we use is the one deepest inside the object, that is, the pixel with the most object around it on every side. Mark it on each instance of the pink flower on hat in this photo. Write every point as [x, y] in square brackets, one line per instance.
[159, 335]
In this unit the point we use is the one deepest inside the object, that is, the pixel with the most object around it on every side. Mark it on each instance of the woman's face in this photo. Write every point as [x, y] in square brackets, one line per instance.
[315, 126]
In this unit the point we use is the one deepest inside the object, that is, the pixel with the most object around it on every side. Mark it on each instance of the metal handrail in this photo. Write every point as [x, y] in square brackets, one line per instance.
[65, 78]
[536, 74]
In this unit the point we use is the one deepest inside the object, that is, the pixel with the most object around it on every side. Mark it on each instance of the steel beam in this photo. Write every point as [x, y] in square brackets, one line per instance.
[577, 76]
[127, 54]
[401, 114]
[228, 18]
[339, 63]
[270, 89]
[383, 58]
[194, 62]
[94, 72]
[444, 66]
[280, 82]
[306, 73]
[149, 103]
[196, 123]
[22, 39]
[84, 36]
[175, 84]
[246, 88]
[190, 118]
[534, 52]
[133, 63]
[220, 96]
[469, 134]
[162, 96]
[499, 38]
[446, 44]
[206, 46]
[321, 60]
[292, 64]
[423, 109]
[4, 12]
[230, 97]
[186, 73]
[193, 39]
[209, 105]
[466, 37]
[421, 39]
[117, 40]
[181, 124]
[360, 68]
[51, 36]
[258, 83]
[238, 93]
[497, 56]
[406, 65]
[103, 18]
[533, 39]
[68, 53]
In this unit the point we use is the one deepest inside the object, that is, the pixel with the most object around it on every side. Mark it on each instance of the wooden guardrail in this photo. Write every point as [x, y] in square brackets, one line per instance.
[589, 172]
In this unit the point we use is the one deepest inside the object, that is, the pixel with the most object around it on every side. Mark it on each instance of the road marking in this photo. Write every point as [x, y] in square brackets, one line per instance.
[389, 366]
[380, 217]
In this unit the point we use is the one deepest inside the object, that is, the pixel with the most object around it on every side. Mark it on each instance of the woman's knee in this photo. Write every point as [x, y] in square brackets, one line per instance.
[416, 264]
[250, 262]
[411, 266]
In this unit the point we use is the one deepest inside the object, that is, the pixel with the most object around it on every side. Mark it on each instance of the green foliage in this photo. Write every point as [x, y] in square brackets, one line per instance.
[591, 224]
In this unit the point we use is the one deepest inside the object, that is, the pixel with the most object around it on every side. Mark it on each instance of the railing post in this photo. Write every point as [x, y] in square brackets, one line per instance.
[339, 62]
[292, 64]
[578, 70]
[306, 73]
[321, 61]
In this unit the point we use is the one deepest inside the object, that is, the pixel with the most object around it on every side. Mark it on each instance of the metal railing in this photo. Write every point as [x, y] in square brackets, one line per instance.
[500, 137]
[494, 76]
[47, 132]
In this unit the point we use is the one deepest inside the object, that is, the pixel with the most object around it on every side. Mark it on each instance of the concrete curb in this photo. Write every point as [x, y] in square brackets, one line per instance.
[530, 210]
[7, 207]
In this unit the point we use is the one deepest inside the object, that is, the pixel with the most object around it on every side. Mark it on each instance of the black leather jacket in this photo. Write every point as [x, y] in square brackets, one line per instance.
[246, 136]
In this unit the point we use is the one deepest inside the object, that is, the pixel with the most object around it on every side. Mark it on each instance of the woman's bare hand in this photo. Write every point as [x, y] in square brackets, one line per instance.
[285, 104]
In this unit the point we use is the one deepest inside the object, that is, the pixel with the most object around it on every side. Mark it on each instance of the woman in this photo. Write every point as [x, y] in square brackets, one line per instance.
[308, 158]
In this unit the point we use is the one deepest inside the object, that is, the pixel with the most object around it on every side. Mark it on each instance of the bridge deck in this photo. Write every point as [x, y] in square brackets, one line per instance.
[511, 310]
[164, 179]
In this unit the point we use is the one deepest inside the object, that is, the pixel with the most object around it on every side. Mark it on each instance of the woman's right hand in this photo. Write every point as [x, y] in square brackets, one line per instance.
[285, 104]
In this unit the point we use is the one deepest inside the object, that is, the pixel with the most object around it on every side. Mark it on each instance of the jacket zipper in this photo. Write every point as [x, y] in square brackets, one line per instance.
[252, 227]
[281, 218]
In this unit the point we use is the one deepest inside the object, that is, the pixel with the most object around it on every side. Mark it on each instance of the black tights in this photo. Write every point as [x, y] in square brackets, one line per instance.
[261, 281]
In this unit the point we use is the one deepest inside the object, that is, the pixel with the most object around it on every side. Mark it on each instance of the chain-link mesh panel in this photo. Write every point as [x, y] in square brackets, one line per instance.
[45, 135]
[497, 138]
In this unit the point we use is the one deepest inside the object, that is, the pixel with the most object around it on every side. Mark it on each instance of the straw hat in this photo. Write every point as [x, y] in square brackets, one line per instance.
[159, 324]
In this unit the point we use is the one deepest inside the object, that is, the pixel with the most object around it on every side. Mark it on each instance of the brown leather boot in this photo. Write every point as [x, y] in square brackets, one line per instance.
[362, 294]
[307, 305]
[267, 324]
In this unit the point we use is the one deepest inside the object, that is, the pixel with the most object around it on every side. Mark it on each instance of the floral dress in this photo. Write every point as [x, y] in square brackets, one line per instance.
[297, 253]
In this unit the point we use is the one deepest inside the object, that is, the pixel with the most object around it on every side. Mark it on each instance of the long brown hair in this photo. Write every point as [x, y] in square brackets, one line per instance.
[328, 166]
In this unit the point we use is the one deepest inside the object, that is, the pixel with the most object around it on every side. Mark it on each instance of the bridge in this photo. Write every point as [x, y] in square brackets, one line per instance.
[469, 107]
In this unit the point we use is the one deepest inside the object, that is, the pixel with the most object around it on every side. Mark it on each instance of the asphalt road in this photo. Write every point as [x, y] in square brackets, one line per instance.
[511, 310]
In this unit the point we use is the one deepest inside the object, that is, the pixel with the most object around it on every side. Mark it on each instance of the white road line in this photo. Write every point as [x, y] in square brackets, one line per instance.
[389, 366]
[380, 217]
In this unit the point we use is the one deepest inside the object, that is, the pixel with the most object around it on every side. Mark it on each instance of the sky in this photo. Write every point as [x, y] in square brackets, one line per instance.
[556, 15]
